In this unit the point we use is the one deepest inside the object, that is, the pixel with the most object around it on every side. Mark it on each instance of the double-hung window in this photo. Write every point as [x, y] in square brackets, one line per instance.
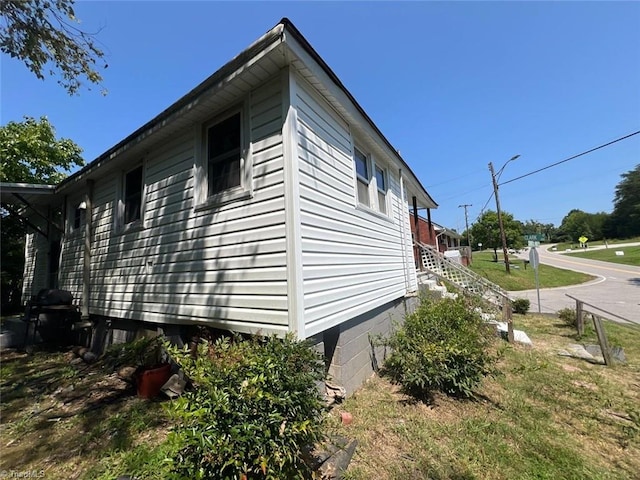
[371, 182]
[224, 163]
[362, 177]
[132, 197]
[224, 155]
[381, 186]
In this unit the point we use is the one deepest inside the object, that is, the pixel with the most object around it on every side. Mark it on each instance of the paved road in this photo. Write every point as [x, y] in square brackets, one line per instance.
[617, 288]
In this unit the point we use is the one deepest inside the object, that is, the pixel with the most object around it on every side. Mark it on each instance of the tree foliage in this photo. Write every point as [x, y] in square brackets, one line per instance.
[44, 35]
[487, 230]
[578, 223]
[31, 153]
[625, 218]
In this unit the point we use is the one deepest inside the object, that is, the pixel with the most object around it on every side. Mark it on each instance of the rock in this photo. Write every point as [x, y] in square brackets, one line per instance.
[618, 354]
[126, 373]
[89, 357]
[69, 356]
[82, 351]
[76, 361]
[174, 386]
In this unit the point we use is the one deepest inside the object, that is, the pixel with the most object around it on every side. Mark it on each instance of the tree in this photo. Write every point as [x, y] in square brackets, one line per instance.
[578, 223]
[487, 231]
[624, 221]
[29, 153]
[43, 34]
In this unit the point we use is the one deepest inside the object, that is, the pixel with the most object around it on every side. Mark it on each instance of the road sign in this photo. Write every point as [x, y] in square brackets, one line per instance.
[535, 237]
[534, 259]
[583, 239]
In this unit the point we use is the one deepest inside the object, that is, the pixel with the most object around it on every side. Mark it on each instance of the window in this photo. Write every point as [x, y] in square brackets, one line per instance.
[79, 216]
[362, 175]
[382, 190]
[132, 196]
[224, 155]
[223, 159]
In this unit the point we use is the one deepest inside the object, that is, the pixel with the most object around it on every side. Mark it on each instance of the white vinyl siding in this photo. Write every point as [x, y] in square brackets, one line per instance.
[222, 266]
[36, 251]
[354, 260]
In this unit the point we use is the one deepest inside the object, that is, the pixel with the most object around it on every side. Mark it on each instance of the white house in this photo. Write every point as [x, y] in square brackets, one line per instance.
[263, 201]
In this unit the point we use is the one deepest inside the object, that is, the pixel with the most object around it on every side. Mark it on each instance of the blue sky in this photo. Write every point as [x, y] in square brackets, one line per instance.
[452, 85]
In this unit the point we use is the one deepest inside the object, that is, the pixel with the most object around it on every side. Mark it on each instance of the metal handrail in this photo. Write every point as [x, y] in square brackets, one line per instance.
[599, 308]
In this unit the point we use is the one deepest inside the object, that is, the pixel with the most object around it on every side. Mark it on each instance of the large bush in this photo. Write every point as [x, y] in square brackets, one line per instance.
[442, 346]
[254, 406]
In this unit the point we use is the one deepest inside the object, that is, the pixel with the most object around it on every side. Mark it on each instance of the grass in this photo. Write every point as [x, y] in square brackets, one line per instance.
[631, 255]
[59, 419]
[614, 241]
[543, 417]
[521, 278]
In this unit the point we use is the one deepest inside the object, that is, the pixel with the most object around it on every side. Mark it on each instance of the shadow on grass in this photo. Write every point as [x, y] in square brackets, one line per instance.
[69, 412]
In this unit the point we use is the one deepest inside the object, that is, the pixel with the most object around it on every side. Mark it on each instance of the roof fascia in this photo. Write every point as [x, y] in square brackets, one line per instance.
[300, 47]
[230, 70]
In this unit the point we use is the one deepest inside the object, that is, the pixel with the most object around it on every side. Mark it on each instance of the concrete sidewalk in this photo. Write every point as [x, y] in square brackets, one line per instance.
[616, 288]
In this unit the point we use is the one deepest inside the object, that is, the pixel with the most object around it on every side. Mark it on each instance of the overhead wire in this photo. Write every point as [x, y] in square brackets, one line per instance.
[571, 158]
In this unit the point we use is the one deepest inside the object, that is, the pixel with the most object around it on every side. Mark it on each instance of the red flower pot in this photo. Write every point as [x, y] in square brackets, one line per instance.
[149, 381]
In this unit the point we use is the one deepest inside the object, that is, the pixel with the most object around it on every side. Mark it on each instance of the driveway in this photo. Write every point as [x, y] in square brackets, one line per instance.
[616, 290]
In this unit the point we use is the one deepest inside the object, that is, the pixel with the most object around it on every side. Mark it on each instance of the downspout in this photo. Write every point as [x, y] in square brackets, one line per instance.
[86, 264]
[417, 226]
[404, 234]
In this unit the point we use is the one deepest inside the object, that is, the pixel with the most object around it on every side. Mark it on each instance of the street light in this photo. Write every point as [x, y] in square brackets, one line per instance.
[495, 177]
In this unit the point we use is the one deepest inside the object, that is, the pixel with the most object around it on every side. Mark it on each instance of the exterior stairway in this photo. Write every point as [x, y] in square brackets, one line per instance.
[460, 276]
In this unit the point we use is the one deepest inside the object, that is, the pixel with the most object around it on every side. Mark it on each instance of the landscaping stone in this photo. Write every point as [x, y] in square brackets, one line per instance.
[332, 458]
[89, 357]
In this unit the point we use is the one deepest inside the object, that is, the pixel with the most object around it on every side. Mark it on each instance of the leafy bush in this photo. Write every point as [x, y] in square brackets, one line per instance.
[568, 316]
[520, 305]
[442, 346]
[254, 407]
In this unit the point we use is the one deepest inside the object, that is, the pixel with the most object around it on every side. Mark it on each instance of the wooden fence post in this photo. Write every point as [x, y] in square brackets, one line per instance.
[579, 318]
[602, 339]
[506, 317]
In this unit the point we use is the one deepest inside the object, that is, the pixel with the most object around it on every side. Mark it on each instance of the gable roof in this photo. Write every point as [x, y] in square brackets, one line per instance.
[281, 34]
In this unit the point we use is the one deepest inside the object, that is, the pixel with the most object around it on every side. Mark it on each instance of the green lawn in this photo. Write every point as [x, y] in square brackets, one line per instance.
[563, 246]
[631, 255]
[521, 278]
[542, 417]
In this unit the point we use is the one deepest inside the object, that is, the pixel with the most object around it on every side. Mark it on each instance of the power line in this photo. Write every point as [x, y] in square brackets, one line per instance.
[571, 158]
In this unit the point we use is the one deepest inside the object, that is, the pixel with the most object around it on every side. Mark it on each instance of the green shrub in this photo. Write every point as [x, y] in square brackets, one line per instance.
[254, 407]
[520, 305]
[442, 346]
[568, 316]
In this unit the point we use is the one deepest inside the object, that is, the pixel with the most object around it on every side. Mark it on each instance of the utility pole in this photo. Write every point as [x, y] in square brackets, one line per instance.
[466, 222]
[502, 233]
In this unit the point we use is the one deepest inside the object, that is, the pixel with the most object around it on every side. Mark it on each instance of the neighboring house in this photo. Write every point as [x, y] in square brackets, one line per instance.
[426, 232]
[263, 201]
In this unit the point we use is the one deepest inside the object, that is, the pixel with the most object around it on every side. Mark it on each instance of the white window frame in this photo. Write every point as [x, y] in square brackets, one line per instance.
[373, 205]
[137, 224]
[383, 191]
[242, 191]
[361, 179]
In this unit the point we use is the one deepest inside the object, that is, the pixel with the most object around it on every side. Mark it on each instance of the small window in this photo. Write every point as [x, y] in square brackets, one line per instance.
[224, 155]
[132, 196]
[362, 174]
[79, 216]
[382, 190]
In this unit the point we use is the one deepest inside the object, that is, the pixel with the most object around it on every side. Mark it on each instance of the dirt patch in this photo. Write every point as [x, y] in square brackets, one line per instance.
[60, 415]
